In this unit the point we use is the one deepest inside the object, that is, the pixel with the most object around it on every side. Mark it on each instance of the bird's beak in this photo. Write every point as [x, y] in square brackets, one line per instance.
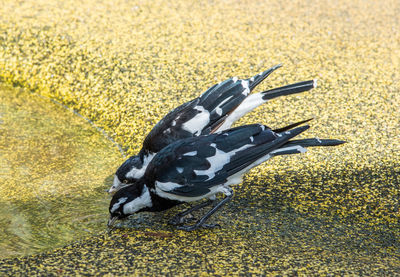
[111, 221]
[111, 190]
[108, 190]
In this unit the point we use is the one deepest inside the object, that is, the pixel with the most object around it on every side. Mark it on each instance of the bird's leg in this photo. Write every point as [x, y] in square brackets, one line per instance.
[201, 222]
[179, 218]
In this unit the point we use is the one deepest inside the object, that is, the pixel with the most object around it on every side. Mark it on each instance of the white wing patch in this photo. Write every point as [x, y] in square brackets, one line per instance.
[218, 161]
[168, 186]
[197, 123]
[192, 153]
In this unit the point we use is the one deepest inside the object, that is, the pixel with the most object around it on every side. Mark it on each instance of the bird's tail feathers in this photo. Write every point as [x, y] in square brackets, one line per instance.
[289, 89]
[311, 142]
[248, 157]
[291, 126]
[300, 145]
[256, 80]
[288, 134]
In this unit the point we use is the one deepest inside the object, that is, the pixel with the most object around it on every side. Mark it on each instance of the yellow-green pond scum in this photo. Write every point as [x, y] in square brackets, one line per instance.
[125, 64]
[53, 168]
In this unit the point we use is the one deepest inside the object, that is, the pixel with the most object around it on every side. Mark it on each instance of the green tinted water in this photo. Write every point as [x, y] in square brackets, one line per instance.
[54, 168]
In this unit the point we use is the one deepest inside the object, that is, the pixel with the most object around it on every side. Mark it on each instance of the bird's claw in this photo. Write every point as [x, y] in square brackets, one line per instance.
[178, 220]
[210, 226]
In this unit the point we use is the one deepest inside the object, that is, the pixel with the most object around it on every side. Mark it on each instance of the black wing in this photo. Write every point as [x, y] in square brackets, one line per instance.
[203, 114]
[190, 167]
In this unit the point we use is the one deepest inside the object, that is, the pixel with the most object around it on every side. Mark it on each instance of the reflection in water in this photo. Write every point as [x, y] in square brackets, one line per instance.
[52, 170]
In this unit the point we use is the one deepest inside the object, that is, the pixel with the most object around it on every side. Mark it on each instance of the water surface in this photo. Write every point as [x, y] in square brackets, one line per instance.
[53, 172]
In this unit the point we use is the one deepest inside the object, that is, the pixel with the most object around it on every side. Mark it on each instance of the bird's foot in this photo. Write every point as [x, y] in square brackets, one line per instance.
[178, 219]
[197, 226]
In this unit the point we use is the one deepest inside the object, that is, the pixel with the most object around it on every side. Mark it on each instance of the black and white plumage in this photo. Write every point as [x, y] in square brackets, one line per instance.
[215, 110]
[200, 167]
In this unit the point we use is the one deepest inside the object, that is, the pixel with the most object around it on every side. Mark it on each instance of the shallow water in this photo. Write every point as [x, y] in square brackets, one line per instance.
[54, 168]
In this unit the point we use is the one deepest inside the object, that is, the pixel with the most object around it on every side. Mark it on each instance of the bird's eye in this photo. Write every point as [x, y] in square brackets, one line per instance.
[125, 181]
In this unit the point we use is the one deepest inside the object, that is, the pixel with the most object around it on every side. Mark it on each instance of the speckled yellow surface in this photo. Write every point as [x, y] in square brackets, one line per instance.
[124, 64]
[53, 171]
[47, 152]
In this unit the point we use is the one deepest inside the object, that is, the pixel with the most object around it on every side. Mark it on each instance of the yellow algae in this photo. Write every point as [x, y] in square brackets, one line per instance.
[125, 64]
[53, 167]
[47, 151]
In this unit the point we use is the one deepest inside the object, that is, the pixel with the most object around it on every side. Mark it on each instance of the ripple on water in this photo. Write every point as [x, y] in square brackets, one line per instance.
[53, 167]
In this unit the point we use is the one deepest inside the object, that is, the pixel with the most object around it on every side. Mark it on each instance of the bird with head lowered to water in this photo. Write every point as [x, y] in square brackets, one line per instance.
[200, 167]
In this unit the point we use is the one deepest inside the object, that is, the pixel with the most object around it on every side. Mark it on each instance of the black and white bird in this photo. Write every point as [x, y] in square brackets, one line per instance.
[200, 167]
[215, 110]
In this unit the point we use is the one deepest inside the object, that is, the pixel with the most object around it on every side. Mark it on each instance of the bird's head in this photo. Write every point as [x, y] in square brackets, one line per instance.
[127, 174]
[129, 200]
